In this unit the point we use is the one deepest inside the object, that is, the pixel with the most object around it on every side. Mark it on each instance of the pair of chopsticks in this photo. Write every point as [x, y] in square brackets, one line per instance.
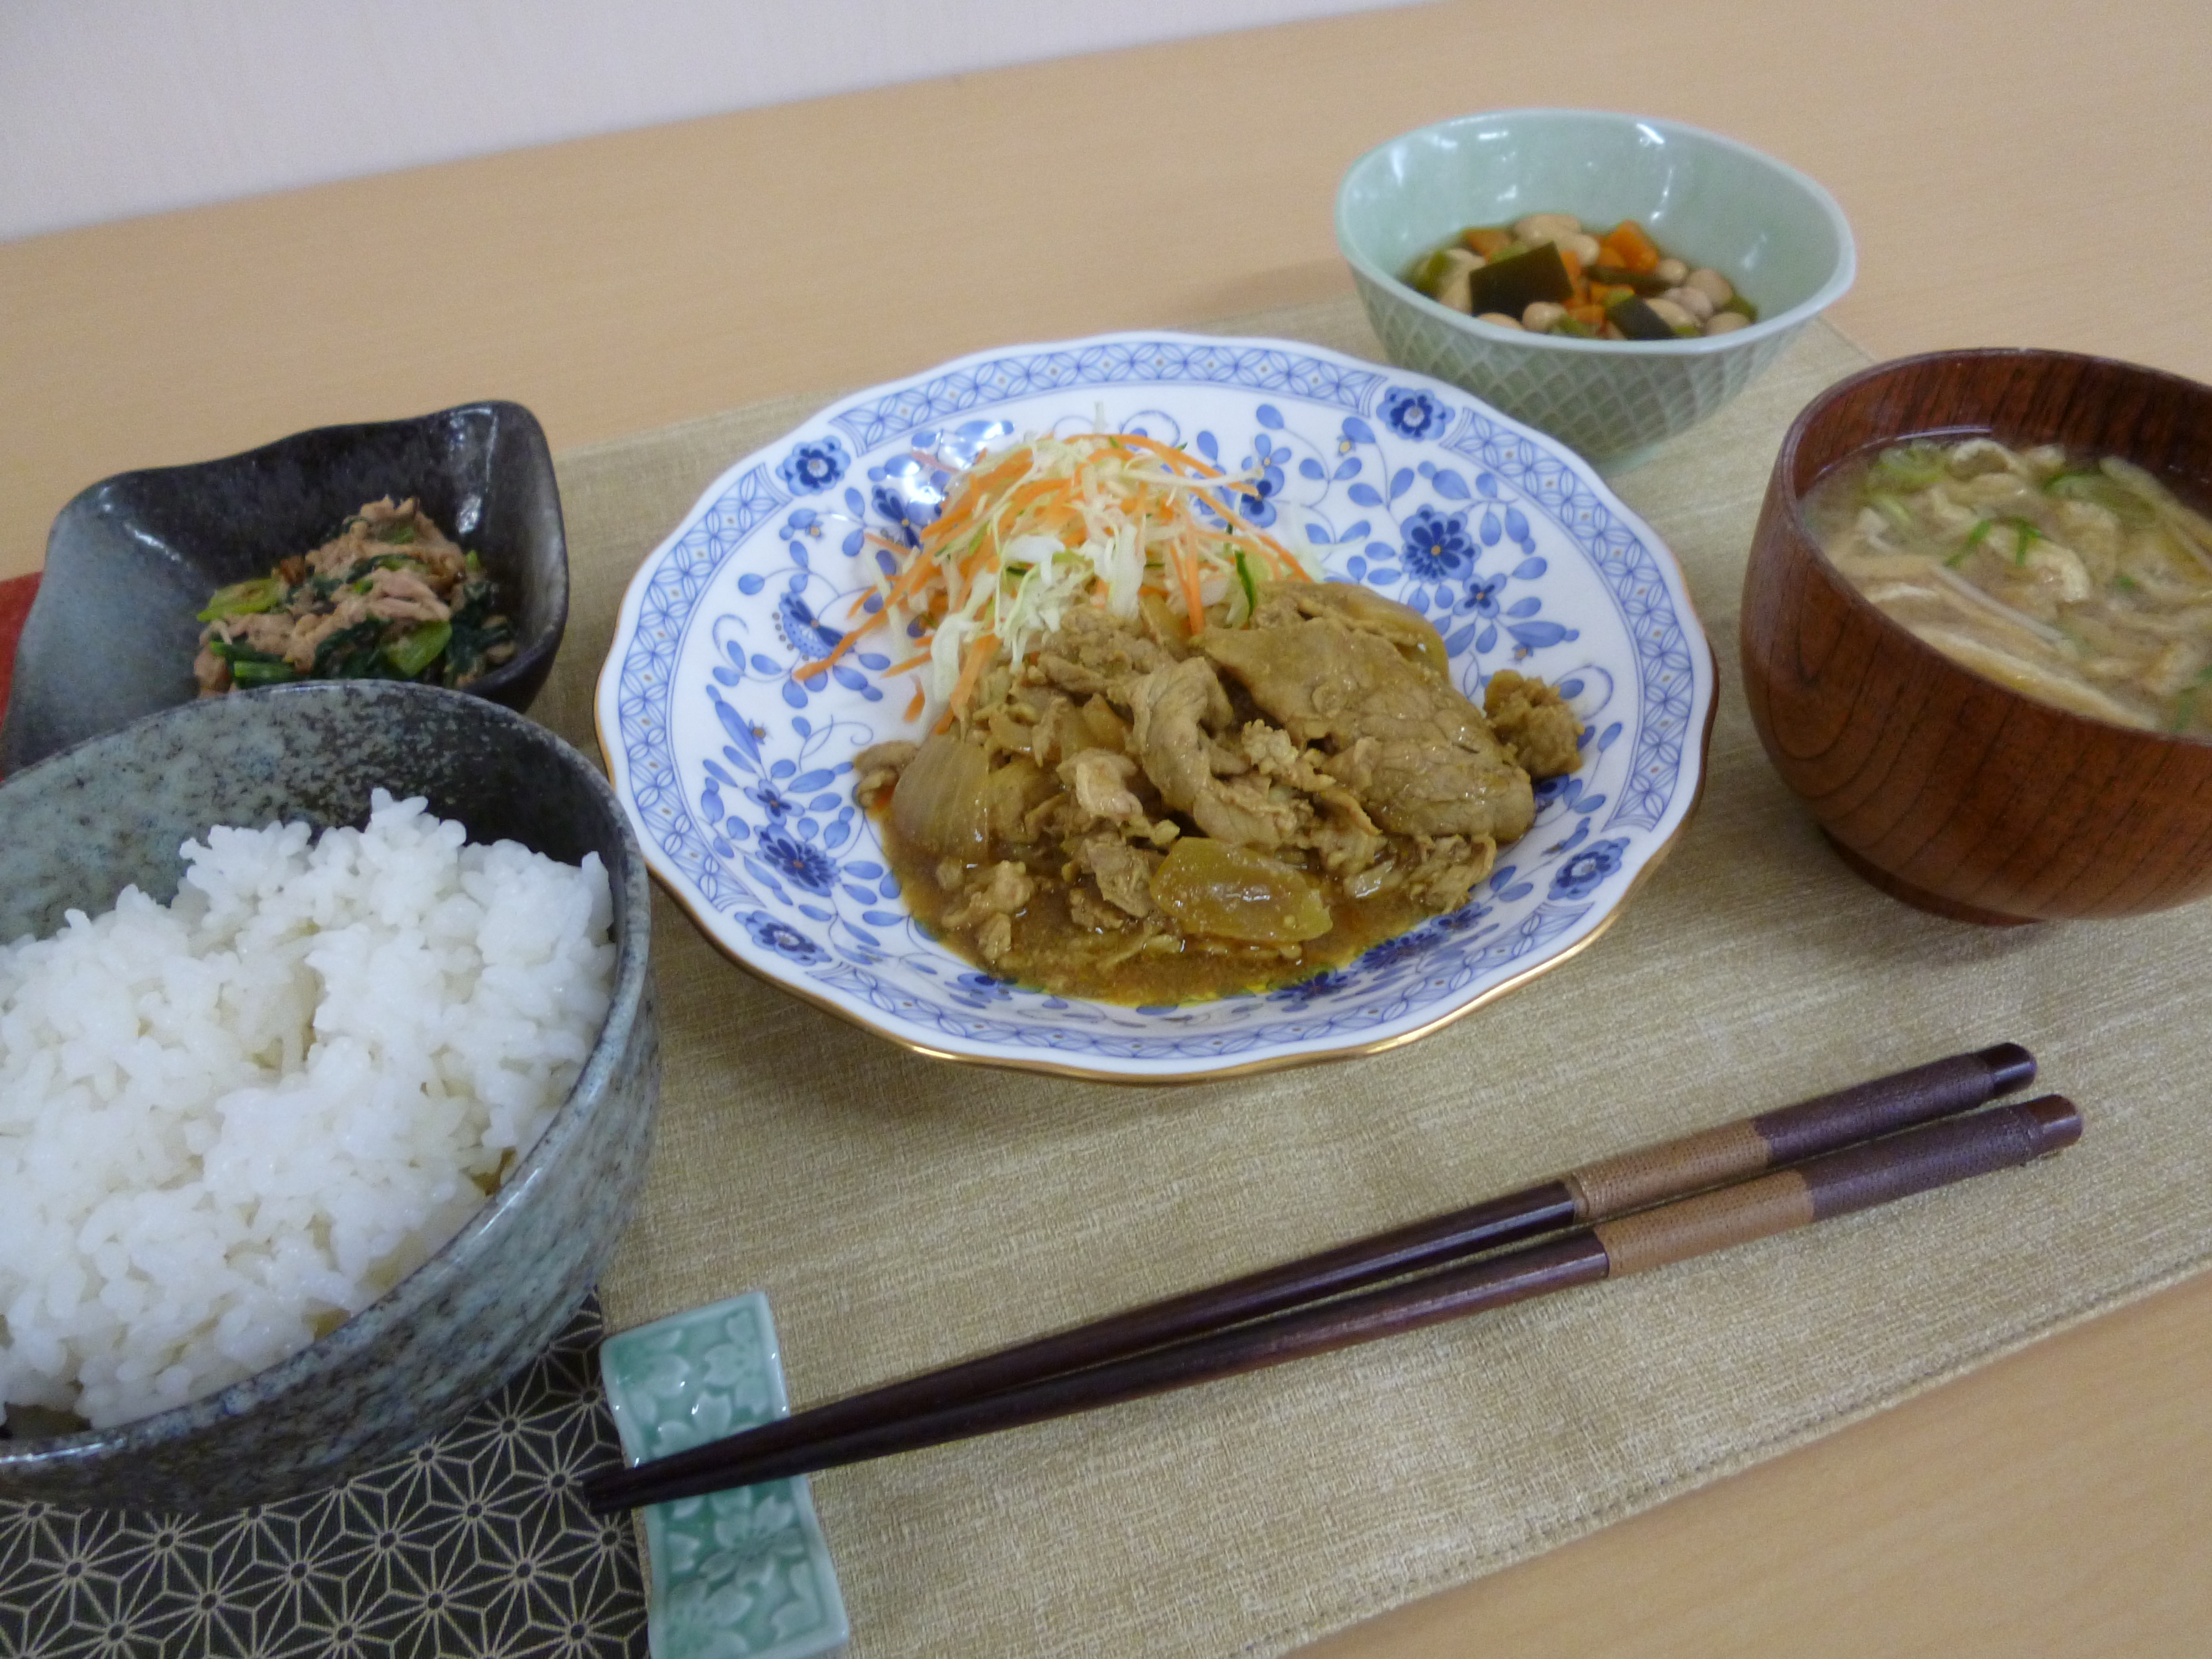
[1826, 1157]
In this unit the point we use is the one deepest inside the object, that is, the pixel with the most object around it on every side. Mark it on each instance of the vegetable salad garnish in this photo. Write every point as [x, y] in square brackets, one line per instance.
[1032, 532]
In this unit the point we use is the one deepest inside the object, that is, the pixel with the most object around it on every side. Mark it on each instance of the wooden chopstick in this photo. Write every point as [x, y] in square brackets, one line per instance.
[1592, 1194]
[1837, 1183]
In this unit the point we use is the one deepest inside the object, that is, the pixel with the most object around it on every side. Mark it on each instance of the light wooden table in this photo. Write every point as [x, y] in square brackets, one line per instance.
[2029, 174]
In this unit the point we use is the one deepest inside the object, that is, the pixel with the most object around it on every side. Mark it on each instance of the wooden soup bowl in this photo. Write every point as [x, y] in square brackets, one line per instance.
[1945, 789]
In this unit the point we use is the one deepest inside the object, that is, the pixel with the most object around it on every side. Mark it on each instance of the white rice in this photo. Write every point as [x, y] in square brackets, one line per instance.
[229, 1123]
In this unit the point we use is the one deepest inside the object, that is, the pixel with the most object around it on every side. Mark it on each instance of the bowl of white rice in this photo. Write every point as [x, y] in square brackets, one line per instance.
[328, 1066]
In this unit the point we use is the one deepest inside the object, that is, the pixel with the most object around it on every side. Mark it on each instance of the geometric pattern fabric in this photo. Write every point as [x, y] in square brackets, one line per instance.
[476, 1542]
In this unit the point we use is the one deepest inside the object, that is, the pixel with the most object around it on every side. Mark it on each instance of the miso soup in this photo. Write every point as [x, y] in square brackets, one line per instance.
[2081, 580]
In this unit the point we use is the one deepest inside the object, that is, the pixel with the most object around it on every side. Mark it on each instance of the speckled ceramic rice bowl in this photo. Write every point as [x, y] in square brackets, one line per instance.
[76, 830]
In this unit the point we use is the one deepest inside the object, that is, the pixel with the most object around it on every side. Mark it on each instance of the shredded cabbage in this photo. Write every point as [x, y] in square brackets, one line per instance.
[1028, 532]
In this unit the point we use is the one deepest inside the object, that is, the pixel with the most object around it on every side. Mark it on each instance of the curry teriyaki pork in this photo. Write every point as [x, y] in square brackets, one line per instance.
[1143, 815]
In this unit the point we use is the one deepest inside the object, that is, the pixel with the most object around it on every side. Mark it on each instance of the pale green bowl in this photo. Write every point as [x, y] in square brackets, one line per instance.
[1767, 227]
[743, 1574]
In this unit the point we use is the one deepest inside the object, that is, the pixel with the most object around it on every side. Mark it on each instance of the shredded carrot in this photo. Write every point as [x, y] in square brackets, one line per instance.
[1102, 519]
[1193, 606]
[815, 670]
[970, 670]
[920, 701]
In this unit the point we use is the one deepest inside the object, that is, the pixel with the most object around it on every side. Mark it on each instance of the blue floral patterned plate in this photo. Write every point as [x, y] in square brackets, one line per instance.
[739, 779]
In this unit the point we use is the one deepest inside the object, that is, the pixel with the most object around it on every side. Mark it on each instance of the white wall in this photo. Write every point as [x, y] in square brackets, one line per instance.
[110, 108]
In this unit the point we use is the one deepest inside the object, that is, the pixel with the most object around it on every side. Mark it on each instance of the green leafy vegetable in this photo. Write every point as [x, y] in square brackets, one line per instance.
[363, 569]
[477, 632]
[254, 671]
[416, 649]
[353, 653]
[245, 598]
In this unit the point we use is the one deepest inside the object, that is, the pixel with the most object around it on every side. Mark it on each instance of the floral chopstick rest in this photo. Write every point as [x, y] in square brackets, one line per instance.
[735, 1575]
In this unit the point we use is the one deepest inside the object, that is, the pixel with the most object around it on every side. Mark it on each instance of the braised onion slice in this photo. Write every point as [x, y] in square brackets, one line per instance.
[941, 804]
[1210, 886]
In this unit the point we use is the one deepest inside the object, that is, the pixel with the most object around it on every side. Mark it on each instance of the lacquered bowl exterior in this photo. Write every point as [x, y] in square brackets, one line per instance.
[1945, 788]
[115, 810]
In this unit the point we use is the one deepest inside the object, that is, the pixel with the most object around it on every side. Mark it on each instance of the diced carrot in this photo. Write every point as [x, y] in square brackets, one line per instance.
[1631, 248]
[1486, 240]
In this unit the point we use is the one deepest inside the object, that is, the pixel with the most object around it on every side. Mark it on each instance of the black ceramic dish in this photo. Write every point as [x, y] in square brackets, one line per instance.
[114, 811]
[131, 561]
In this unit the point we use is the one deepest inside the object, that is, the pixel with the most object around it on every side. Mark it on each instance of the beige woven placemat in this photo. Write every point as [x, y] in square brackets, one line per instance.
[901, 1212]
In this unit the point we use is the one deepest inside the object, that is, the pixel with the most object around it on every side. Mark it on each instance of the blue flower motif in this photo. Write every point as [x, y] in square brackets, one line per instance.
[1481, 596]
[1437, 543]
[772, 800]
[812, 468]
[987, 988]
[1326, 983]
[1413, 414]
[1256, 502]
[1580, 875]
[1392, 951]
[1459, 920]
[1547, 790]
[783, 939]
[803, 522]
[795, 621]
[906, 514]
[806, 866]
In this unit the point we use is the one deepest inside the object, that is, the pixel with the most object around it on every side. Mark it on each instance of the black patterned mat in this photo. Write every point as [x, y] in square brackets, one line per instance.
[475, 1543]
